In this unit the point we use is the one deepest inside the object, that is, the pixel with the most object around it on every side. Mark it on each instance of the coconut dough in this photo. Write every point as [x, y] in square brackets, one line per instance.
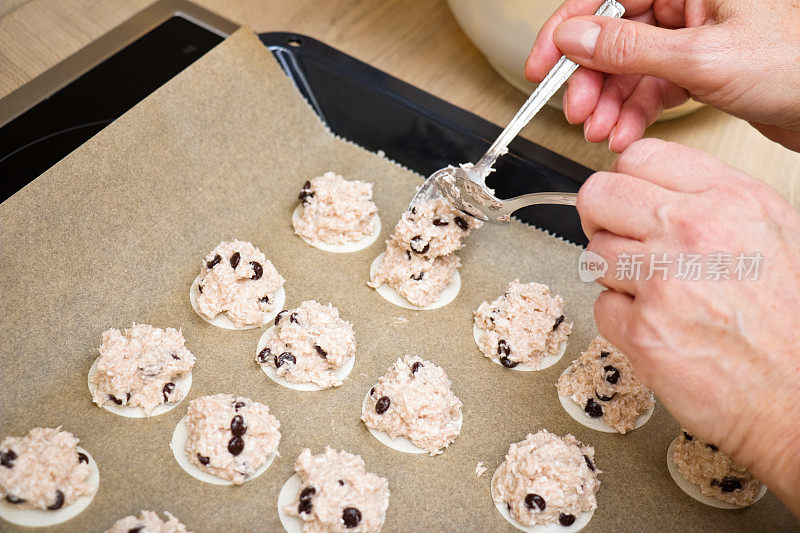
[522, 326]
[43, 470]
[139, 367]
[547, 479]
[420, 255]
[309, 344]
[715, 473]
[413, 399]
[335, 210]
[602, 381]
[338, 494]
[148, 522]
[237, 278]
[230, 437]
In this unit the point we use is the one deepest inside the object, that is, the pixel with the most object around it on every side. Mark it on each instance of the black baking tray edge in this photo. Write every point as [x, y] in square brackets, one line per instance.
[420, 131]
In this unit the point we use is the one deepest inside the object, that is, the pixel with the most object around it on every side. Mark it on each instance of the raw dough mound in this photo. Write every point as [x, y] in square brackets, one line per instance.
[546, 478]
[338, 493]
[238, 279]
[138, 367]
[43, 470]
[420, 258]
[523, 325]
[335, 210]
[309, 344]
[413, 399]
[715, 473]
[148, 522]
[602, 381]
[230, 437]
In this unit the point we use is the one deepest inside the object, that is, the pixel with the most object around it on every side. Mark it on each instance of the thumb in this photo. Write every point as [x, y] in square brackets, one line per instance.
[616, 46]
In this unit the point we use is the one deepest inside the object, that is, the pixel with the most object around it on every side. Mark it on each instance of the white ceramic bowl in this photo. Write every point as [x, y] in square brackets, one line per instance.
[504, 31]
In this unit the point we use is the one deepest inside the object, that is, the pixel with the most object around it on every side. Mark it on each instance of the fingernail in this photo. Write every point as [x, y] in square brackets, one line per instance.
[586, 128]
[577, 37]
[611, 138]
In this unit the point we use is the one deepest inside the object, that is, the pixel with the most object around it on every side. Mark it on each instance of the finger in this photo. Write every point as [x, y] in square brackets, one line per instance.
[670, 13]
[545, 54]
[616, 90]
[670, 165]
[621, 204]
[582, 94]
[613, 314]
[625, 260]
[642, 108]
[617, 46]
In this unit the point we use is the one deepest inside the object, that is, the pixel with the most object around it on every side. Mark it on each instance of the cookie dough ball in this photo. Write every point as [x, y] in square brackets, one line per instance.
[309, 344]
[547, 479]
[522, 326]
[413, 400]
[338, 493]
[236, 278]
[602, 381]
[43, 470]
[230, 437]
[717, 475]
[420, 255]
[139, 367]
[335, 210]
[148, 522]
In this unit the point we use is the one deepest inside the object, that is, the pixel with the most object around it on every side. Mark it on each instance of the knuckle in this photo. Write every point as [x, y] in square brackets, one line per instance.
[591, 189]
[638, 152]
[621, 44]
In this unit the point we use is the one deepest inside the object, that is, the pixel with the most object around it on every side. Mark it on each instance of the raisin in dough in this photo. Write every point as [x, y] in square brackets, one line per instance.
[716, 474]
[230, 437]
[603, 383]
[547, 479]
[44, 470]
[413, 400]
[337, 493]
[148, 522]
[522, 326]
[420, 259]
[237, 279]
[334, 210]
[140, 367]
[309, 344]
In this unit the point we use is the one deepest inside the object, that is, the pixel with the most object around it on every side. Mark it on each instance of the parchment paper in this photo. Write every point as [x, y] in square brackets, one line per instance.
[116, 232]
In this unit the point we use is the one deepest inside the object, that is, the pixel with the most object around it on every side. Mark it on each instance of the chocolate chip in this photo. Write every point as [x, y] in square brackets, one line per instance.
[604, 398]
[533, 501]
[285, 357]
[237, 426]
[382, 405]
[167, 390]
[440, 222]
[566, 519]
[263, 355]
[13, 500]
[307, 186]
[322, 353]
[7, 458]
[293, 318]
[461, 223]
[503, 348]
[418, 277]
[214, 262]
[175, 356]
[372, 391]
[559, 320]
[508, 363]
[203, 459]
[264, 299]
[258, 270]
[58, 503]
[612, 374]
[593, 409]
[137, 529]
[408, 255]
[589, 462]
[307, 493]
[235, 259]
[730, 484]
[238, 405]
[416, 366]
[351, 517]
[279, 316]
[114, 399]
[83, 458]
[235, 445]
[199, 288]
[712, 447]
[127, 396]
[687, 436]
[341, 482]
[304, 506]
[604, 354]
[413, 210]
[416, 245]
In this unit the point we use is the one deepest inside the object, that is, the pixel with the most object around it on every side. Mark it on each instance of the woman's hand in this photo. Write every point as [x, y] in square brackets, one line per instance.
[740, 56]
[723, 355]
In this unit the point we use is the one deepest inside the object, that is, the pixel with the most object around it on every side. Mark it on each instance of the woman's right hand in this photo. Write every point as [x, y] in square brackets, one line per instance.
[740, 56]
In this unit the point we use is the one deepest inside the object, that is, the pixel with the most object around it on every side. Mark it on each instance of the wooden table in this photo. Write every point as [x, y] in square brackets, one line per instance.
[416, 40]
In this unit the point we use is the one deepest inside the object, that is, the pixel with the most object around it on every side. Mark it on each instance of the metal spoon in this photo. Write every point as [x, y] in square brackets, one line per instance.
[465, 186]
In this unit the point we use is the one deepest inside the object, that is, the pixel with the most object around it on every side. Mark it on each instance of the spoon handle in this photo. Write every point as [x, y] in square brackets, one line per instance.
[557, 76]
